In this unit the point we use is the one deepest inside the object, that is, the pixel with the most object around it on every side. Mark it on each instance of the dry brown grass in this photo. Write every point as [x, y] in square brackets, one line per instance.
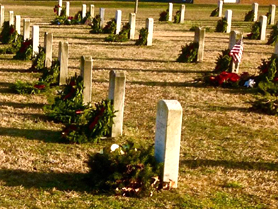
[222, 140]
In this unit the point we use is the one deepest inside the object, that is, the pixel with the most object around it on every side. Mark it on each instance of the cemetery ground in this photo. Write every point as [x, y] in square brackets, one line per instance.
[228, 156]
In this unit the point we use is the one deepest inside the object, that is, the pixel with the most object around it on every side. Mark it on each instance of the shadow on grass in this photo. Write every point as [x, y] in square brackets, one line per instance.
[22, 105]
[221, 108]
[60, 181]
[32, 134]
[9, 70]
[260, 166]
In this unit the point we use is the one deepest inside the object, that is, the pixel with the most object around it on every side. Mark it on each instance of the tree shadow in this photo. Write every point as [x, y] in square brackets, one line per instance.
[221, 108]
[260, 166]
[48, 136]
[9, 70]
[60, 181]
[22, 105]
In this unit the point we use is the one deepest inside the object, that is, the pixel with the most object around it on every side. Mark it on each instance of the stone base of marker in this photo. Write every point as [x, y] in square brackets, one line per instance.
[167, 138]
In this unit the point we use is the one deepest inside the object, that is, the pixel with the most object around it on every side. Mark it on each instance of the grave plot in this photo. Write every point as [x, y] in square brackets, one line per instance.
[228, 153]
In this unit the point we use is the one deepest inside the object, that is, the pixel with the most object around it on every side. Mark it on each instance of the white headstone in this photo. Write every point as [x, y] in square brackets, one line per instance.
[60, 3]
[255, 9]
[200, 38]
[92, 10]
[36, 39]
[86, 73]
[118, 18]
[63, 59]
[170, 8]
[136, 6]
[11, 22]
[182, 10]
[2, 15]
[67, 9]
[48, 40]
[17, 23]
[116, 93]
[272, 10]
[101, 14]
[132, 23]
[228, 15]
[263, 21]
[168, 137]
[233, 40]
[83, 11]
[26, 29]
[149, 26]
[220, 8]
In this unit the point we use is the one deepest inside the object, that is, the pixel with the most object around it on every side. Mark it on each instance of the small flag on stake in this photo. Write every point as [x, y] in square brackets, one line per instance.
[236, 51]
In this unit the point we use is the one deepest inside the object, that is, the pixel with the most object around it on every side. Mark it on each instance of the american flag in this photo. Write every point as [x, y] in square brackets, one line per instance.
[236, 51]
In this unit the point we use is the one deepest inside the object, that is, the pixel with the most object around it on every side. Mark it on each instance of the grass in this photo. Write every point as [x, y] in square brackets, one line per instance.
[228, 158]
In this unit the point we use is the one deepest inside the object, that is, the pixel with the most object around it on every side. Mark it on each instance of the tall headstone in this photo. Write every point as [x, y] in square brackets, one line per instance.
[101, 14]
[11, 22]
[234, 38]
[272, 9]
[118, 18]
[263, 21]
[86, 73]
[83, 11]
[228, 15]
[255, 7]
[63, 59]
[182, 10]
[136, 6]
[17, 23]
[170, 9]
[92, 10]
[2, 15]
[36, 39]
[60, 4]
[26, 29]
[132, 23]
[116, 93]
[200, 38]
[48, 40]
[149, 26]
[67, 9]
[220, 8]
[168, 137]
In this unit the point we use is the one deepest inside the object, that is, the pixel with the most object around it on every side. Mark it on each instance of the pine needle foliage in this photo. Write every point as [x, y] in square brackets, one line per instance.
[223, 62]
[8, 33]
[189, 53]
[143, 36]
[221, 25]
[273, 38]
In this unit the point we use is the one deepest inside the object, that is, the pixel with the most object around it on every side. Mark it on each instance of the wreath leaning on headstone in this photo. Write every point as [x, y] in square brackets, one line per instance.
[249, 16]
[215, 12]
[255, 31]
[273, 36]
[121, 37]
[164, 16]
[177, 17]
[189, 53]
[143, 36]
[221, 25]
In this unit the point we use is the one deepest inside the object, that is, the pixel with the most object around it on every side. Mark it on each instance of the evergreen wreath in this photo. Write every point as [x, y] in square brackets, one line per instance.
[122, 36]
[164, 16]
[268, 15]
[273, 36]
[39, 60]
[110, 27]
[215, 12]
[221, 25]
[143, 36]
[223, 62]
[255, 31]
[51, 76]
[127, 170]
[96, 29]
[189, 53]
[91, 125]
[14, 47]
[177, 17]
[26, 50]
[29, 88]
[76, 19]
[249, 16]
[68, 101]
[8, 33]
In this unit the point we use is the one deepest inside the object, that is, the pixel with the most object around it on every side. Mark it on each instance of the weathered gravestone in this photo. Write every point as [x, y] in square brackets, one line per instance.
[26, 29]
[263, 21]
[11, 22]
[220, 8]
[83, 11]
[272, 9]
[228, 15]
[118, 18]
[63, 59]
[170, 10]
[92, 10]
[182, 13]
[67, 9]
[2, 15]
[48, 40]
[101, 15]
[235, 36]
[36, 39]
[132, 23]
[86, 66]
[116, 93]
[200, 38]
[149, 26]
[17, 23]
[168, 137]
[255, 7]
